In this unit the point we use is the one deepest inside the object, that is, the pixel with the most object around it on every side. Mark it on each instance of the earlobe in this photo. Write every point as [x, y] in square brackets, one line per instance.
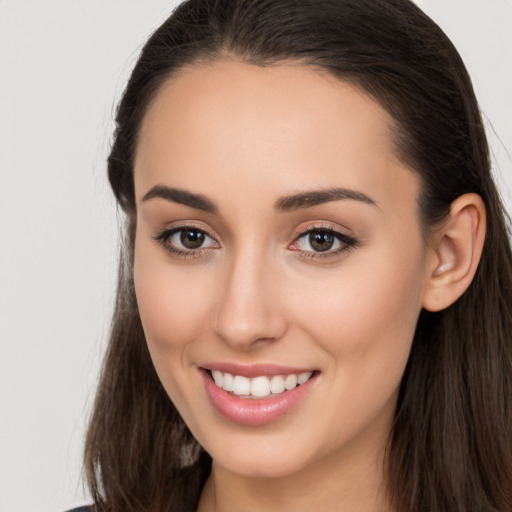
[456, 249]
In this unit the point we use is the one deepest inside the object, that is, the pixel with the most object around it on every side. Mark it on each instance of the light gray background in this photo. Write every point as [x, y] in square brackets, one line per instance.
[62, 67]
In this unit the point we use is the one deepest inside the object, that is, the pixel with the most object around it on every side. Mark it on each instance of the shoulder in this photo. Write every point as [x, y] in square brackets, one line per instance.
[81, 509]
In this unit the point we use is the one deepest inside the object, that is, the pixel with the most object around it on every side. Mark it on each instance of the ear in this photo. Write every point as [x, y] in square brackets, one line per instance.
[455, 251]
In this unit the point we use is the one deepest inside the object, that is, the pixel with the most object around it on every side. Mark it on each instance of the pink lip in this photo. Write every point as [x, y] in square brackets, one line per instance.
[248, 411]
[253, 370]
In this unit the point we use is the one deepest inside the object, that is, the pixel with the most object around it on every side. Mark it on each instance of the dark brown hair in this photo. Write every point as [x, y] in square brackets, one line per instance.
[450, 448]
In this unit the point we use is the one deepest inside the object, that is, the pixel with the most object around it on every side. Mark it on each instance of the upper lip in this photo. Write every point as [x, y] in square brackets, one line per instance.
[254, 370]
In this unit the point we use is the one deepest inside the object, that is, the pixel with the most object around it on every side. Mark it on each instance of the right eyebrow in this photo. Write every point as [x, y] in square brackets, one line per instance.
[179, 196]
[316, 197]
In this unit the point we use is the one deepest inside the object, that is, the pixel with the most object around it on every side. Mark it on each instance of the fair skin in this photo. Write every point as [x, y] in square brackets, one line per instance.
[257, 288]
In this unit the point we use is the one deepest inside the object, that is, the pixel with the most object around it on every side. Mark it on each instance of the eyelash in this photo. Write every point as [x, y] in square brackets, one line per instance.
[347, 243]
[164, 237]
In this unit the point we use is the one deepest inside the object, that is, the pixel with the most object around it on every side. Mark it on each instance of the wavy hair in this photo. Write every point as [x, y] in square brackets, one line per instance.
[450, 448]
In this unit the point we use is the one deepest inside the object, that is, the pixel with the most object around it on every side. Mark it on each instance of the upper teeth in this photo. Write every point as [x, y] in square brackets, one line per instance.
[258, 386]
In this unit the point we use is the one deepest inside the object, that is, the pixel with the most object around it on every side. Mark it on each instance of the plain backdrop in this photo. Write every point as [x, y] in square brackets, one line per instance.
[63, 65]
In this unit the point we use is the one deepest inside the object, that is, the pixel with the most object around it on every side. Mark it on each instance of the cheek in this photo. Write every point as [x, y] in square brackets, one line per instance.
[173, 306]
[173, 303]
[364, 320]
[367, 310]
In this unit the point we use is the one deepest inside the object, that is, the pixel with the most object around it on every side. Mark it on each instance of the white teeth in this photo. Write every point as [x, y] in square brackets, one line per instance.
[218, 377]
[277, 384]
[258, 387]
[290, 382]
[227, 385]
[241, 385]
[303, 377]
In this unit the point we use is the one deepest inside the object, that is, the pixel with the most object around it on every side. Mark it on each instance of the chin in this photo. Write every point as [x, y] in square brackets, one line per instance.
[253, 466]
[262, 455]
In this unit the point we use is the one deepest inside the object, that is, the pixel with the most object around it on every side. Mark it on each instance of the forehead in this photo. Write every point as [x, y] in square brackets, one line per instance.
[285, 128]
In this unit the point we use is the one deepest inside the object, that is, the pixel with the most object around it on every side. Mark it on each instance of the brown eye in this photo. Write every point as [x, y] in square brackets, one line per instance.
[321, 240]
[186, 240]
[192, 238]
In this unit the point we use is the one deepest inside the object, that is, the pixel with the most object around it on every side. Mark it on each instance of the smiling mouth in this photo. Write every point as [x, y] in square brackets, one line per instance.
[258, 387]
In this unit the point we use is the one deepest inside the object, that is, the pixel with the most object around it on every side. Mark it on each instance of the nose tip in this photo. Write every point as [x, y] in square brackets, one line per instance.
[244, 337]
[250, 313]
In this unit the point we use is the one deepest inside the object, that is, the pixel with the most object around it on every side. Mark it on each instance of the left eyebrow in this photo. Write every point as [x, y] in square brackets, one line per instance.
[179, 196]
[316, 197]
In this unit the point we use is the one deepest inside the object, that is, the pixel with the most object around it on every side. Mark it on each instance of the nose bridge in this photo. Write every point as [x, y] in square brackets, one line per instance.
[249, 309]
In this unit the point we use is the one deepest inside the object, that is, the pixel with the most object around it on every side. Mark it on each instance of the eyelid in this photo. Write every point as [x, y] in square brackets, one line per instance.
[322, 225]
[348, 242]
[163, 236]
[181, 225]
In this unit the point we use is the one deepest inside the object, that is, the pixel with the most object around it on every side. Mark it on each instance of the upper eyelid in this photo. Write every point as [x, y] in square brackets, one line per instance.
[343, 238]
[320, 228]
[298, 232]
[344, 232]
[164, 236]
[347, 241]
[170, 230]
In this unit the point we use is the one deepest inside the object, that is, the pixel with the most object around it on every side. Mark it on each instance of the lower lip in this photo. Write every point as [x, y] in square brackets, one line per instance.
[253, 411]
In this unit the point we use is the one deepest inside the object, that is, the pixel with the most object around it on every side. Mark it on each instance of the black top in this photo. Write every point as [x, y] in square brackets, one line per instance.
[81, 509]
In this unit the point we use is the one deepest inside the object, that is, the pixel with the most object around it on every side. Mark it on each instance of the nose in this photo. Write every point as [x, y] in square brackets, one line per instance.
[250, 313]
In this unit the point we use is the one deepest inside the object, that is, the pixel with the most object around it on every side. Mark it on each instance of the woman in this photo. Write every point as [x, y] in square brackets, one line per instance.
[315, 295]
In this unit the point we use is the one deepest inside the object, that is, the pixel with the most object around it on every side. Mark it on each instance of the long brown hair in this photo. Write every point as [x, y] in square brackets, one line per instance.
[451, 445]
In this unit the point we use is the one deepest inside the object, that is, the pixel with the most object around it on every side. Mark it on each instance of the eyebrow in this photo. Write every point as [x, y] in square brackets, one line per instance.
[284, 204]
[316, 197]
[175, 195]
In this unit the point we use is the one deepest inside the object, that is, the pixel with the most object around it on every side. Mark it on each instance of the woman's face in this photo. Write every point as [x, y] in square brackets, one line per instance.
[277, 237]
